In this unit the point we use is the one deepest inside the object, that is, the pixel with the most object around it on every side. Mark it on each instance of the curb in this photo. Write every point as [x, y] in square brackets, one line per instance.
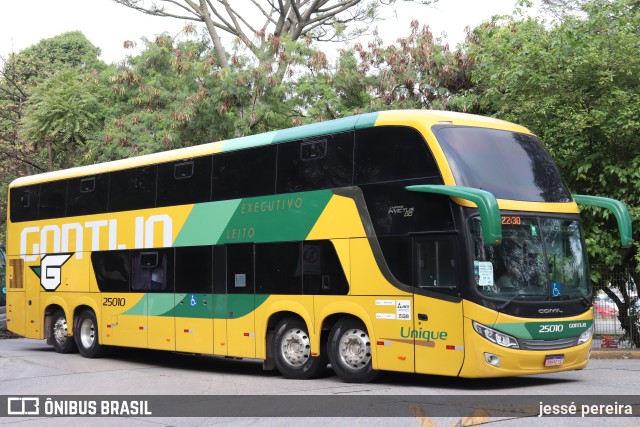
[615, 353]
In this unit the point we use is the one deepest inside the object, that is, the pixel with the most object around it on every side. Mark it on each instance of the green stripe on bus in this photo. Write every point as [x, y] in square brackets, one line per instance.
[324, 128]
[307, 131]
[231, 306]
[249, 141]
[258, 219]
[276, 218]
[193, 305]
[206, 223]
[550, 330]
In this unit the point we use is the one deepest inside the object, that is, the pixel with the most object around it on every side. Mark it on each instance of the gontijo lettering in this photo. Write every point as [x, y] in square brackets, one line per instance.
[74, 236]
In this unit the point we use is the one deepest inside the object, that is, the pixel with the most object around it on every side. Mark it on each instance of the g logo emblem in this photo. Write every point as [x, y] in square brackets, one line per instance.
[51, 270]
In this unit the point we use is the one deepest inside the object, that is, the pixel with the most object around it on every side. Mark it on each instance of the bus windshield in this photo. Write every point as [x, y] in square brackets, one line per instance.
[540, 259]
[510, 165]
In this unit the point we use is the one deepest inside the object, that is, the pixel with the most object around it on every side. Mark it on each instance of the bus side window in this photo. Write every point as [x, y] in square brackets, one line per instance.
[53, 200]
[88, 195]
[240, 268]
[279, 268]
[184, 182]
[435, 259]
[112, 270]
[24, 203]
[152, 270]
[193, 269]
[244, 173]
[314, 164]
[392, 153]
[322, 271]
[132, 189]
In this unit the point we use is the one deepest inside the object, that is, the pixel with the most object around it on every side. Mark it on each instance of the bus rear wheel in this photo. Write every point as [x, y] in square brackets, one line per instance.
[86, 335]
[291, 348]
[350, 351]
[62, 342]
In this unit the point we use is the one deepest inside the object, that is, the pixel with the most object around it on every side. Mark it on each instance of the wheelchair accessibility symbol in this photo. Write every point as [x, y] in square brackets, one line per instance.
[193, 301]
[555, 289]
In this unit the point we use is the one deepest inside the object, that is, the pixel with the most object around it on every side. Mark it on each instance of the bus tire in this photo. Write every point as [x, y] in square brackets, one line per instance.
[350, 351]
[292, 351]
[86, 334]
[62, 342]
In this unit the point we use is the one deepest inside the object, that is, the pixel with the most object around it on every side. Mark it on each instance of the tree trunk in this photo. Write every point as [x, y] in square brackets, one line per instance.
[215, 38]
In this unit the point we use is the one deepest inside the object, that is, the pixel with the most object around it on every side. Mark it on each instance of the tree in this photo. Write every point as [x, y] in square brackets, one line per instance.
[59, 116]
[275, 19]
[174, 94]
[574, 83]
[20, 74]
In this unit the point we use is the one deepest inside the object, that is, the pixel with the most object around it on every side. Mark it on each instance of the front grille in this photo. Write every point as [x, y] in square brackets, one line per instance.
[548, 345]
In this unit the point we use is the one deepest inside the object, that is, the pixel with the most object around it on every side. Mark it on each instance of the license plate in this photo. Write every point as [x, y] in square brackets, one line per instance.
[554, 360]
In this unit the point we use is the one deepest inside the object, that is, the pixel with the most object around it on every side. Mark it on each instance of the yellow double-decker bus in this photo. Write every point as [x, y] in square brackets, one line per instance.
[412, 241]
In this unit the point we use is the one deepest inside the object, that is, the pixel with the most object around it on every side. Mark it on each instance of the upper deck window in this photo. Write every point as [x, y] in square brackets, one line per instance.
[392, 153]
[510, 165]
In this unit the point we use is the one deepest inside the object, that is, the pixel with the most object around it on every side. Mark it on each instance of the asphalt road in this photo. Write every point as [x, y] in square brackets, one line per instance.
[30, 367]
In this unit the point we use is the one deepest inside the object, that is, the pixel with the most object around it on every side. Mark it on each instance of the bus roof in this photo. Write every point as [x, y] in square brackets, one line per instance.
[423, 118]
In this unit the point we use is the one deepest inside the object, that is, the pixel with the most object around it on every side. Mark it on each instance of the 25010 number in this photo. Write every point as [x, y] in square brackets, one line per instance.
[546, 329]
[114, 302]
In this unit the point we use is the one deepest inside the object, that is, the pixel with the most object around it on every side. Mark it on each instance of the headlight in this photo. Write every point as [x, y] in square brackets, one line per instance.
[584, 337]
[496, 337]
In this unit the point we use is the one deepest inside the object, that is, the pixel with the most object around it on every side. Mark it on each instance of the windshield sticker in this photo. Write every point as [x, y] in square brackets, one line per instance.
[483, 272]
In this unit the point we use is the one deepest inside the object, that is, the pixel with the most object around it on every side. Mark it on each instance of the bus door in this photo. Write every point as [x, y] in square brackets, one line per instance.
[123, 319]
[240, 313]
[437, 311]
[152, 273]
[193, 299]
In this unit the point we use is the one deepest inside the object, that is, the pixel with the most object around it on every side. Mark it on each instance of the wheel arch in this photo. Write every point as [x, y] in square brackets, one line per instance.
[270, 325]
[53, 305]
[83, 304]
[334, 312]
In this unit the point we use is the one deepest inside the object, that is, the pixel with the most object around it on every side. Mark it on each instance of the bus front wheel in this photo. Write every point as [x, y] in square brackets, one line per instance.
[350, 351]
[86, 335]
[291, 348]
[62, 342]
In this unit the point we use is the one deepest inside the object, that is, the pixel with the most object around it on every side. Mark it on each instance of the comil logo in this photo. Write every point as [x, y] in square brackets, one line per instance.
[50, 270]
[23, 406]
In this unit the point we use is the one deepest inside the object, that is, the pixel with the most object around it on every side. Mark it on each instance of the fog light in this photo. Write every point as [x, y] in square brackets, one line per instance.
[492, 359]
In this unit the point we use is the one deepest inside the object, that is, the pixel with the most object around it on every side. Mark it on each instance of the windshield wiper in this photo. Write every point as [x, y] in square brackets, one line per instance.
[503, 306]
[585, 299]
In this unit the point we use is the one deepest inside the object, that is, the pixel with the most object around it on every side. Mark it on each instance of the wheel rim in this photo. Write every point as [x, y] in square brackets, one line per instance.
[60, 330]
[87, 333]
[354, 349]
[296, 347]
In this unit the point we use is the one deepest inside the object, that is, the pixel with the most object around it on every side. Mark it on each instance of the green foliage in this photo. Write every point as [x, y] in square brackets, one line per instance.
[419, 72]
[59, 115]
[67, 50]
[576, 84]
[174, 95]
[37, 71]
